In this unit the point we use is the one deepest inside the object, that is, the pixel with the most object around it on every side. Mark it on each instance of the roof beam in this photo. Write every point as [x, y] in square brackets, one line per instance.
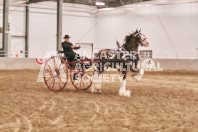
[35, 1]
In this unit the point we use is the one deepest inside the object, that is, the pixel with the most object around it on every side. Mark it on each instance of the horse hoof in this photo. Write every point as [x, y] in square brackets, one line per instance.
[136, 77]
[99, 91]
[96, 91]
[92, 90]
[126, 93]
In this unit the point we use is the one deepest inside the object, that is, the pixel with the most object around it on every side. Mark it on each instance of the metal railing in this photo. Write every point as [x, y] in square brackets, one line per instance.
[175, 55]
[41, 54]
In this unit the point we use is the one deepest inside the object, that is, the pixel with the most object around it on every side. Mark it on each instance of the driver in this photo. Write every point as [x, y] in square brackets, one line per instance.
[68, 49]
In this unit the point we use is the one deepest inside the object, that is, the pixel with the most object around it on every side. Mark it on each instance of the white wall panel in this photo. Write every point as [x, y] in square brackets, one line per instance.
[1, 15]
[169, 28]
[42, 31]
[81, 29]
[1, 25]
[17, 30]
[79, 25]
[16, 21]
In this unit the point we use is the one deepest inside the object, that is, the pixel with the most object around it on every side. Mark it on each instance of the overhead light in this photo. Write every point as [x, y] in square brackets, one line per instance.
[100, 3]
[22, 1]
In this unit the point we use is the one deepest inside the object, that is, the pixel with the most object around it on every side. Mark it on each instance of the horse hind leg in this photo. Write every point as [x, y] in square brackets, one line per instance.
[123, 91]
[96, 86]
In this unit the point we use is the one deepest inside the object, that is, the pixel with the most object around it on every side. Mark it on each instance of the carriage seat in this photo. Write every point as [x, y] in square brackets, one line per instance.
[62, 52]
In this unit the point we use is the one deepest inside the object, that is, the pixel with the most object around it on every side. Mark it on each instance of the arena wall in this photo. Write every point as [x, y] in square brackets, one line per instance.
[77, 22]
[166, 64]
[178, 64]
[43, 26]
[169, 28]
[161, 24]
[18, 63]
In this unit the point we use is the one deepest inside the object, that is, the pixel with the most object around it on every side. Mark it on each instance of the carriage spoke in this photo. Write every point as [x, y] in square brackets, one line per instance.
[59, 84]
[83, 81]
[62, 72]
[87, 79]
[76, 83]
[54, 62]
[80, 82]
[59, 78]
[53, 83]
[48, 73]
[49, 70]
[86, 84]
[56, 85]
[49, 78]
[63, 77]
[63, 69]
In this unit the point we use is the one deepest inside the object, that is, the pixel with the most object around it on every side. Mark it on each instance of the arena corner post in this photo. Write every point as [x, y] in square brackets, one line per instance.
[59, 23]
[27, 30]
[5, 28]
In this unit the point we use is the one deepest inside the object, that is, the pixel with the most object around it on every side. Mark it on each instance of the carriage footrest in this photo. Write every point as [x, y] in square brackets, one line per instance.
[75, 77]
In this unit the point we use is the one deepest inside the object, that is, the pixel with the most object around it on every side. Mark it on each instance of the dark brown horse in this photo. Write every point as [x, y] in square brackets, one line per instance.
[124, 58]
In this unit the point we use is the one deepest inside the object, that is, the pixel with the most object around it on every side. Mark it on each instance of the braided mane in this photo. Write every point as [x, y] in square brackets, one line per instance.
[129, 37]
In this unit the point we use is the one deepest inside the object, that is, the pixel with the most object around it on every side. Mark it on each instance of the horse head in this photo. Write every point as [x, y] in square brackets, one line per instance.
[133, 40]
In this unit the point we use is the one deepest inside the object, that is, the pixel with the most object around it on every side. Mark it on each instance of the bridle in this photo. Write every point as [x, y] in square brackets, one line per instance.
[141, 41]
[123, 48]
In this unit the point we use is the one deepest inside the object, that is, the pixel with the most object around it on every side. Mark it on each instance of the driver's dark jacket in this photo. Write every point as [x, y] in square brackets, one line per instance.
[68, 51]
[67, 47]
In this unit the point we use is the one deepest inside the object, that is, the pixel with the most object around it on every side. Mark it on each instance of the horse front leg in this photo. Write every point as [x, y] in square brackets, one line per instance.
[123, 91]
[96, 82]
[138, 77]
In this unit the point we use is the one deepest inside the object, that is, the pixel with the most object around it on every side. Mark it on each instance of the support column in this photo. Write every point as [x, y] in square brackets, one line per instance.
[27, 31]
[5, 26]
[59, 23]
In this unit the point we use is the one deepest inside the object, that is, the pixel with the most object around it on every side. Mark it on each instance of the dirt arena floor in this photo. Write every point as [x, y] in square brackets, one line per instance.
[163, 102]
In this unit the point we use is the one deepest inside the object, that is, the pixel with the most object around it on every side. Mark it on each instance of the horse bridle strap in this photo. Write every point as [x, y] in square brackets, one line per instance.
[140, 37]
[142, 41]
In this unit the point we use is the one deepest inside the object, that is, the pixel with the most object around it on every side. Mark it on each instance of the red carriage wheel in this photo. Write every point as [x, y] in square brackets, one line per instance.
[55, 73]
[81, 79]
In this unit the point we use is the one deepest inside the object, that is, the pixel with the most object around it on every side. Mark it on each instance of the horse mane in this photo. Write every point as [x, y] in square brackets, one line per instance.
[129, 37]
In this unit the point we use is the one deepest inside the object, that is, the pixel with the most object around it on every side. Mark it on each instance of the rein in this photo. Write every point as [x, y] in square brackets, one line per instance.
[123, 50]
